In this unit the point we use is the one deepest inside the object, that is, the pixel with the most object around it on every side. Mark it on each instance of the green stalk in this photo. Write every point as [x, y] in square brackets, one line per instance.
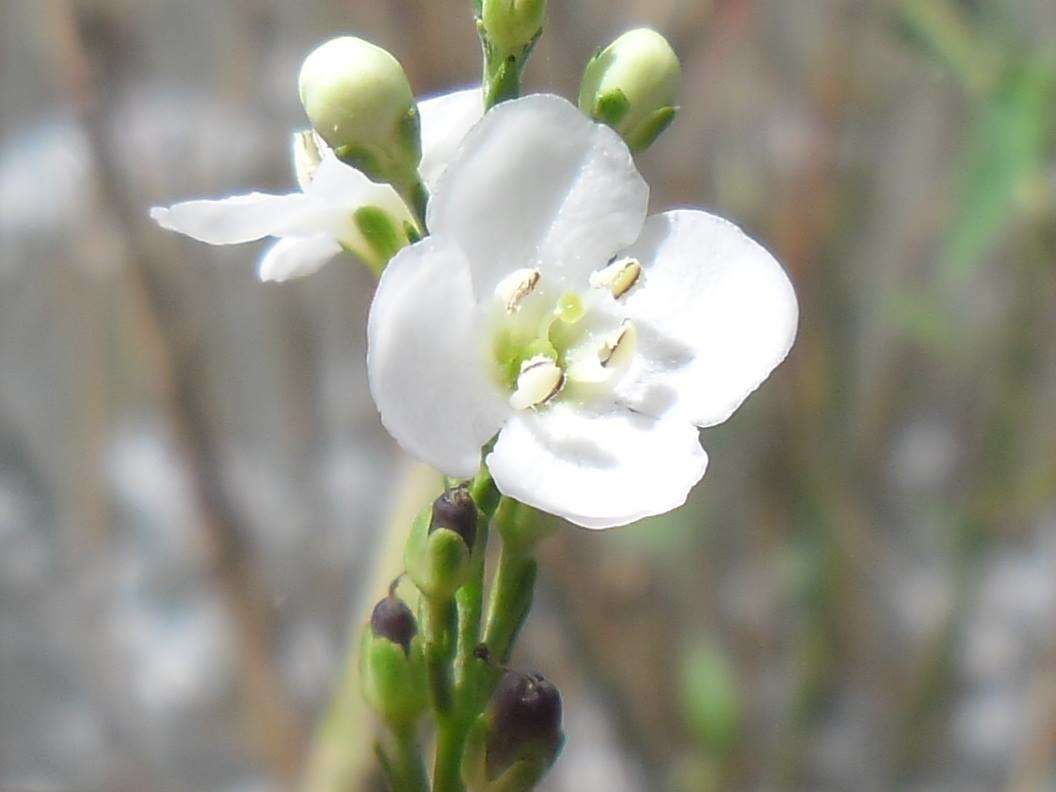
[511, 598]
[402, 761]
[439, 628]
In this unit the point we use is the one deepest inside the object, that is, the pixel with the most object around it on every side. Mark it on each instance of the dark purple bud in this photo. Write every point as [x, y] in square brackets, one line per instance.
[525, 713]
[393, 620]
[456, 511]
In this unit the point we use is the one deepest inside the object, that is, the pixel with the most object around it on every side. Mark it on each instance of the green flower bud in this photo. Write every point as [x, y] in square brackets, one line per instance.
[358, 99]
[518, 737]
[392, 666]
[438, 550]
[512, 26]
[632, 85]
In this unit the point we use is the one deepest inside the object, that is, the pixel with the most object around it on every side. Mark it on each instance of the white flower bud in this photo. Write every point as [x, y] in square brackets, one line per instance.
[359, 101]
[511, 26]
[632, 85]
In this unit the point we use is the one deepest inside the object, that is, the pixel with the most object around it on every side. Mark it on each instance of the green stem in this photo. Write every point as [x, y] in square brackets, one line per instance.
[402, 761]
[470, 597]
[416, 195]
[439, 627]
[450, 744]
[511, 598]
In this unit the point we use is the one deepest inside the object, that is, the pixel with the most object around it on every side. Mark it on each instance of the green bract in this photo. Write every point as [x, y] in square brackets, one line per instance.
[359, 101]
[632, 85]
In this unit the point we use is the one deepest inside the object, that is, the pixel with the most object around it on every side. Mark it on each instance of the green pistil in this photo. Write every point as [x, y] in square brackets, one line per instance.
[570, 308]
[517, 341]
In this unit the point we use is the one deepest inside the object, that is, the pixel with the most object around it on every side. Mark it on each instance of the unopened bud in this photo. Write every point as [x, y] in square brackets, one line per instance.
[456, 511]
[392, 619]
[632, 85]
[392, 665]
[359, 101]
[438, 550]
[511, 26]
[518, 737]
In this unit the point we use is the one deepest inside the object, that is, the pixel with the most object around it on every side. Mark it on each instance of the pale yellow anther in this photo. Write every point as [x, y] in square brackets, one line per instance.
[539, 381]
[515, 287]
[618, 277]
[618, 347]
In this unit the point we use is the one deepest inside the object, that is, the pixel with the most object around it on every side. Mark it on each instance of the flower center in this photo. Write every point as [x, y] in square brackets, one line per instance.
[548, 345]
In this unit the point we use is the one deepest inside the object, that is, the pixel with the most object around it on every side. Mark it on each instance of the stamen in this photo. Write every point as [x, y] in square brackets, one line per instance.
[618, 277]
[539, 381]
[515, 287]
[617, 348]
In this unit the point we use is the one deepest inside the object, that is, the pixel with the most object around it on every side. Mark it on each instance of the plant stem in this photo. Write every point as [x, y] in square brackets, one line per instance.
[439, 627]
[450, 743]
[402, 762]
[511, 599]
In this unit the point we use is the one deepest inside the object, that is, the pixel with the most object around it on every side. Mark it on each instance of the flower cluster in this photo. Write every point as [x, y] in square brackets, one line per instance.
[529, 310]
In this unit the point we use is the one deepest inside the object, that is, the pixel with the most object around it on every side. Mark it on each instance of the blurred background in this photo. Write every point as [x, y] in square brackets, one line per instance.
[195, 488]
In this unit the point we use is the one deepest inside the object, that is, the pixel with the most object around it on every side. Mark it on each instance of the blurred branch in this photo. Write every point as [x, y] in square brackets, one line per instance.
[271, 713]
[942, 27]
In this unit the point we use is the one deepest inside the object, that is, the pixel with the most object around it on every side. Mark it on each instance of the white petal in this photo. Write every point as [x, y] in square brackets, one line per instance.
[445, 121]
[596, 469]
[345, 189]
[715, 315]
[536, 183]
[231, 221]
[425, 360]
[294, 257]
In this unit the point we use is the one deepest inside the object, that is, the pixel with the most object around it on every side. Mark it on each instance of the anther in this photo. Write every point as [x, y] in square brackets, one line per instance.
[515, 287]
[618, 277]
[539, 381]
[619, 345]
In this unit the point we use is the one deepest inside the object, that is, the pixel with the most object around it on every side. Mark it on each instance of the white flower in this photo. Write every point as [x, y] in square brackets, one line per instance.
[314, 225]
[546, 307]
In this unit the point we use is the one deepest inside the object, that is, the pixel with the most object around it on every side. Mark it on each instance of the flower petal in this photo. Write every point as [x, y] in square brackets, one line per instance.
[445, 120]
[294, 257]
[343, 189]
[234, 220]
[536, 183]
[425, 361]
[715, 315]
[597, 469]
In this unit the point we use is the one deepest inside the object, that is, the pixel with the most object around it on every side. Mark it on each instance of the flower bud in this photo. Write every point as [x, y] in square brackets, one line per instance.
[632, 85]
[512, 26]
[392, 619]
[440, 545]
[358, 99]
[456, 511]
[392, 665]
[518, 737]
